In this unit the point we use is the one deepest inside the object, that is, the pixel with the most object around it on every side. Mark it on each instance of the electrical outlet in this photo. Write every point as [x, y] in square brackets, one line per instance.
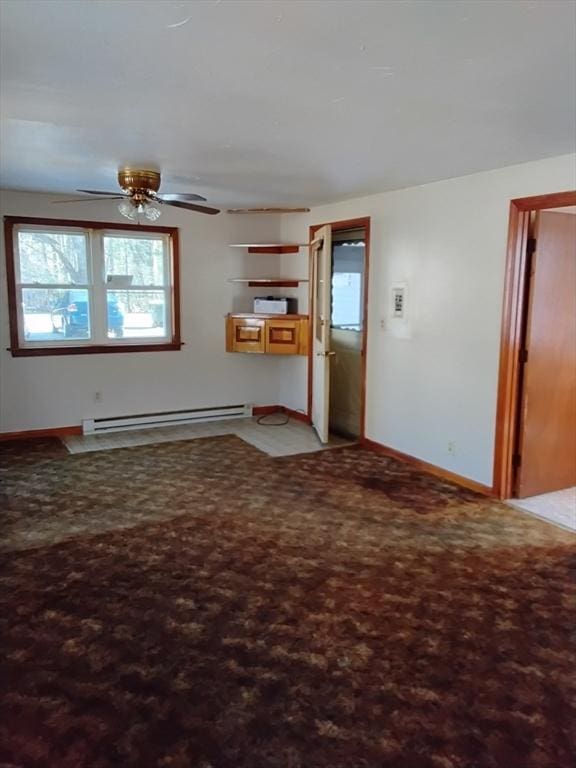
[98, 396]
[452, 447]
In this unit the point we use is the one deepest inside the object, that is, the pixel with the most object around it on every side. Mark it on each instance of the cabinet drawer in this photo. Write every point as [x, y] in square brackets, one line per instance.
[283, 337]
[246, 335]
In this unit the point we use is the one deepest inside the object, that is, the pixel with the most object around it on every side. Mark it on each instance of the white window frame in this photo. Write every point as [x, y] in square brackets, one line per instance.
[100, 300]
[21, 286]
[97, 288]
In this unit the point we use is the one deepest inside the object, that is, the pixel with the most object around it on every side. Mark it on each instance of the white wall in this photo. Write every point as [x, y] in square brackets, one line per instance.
[43, 392]
[432, 381]
[434, 378]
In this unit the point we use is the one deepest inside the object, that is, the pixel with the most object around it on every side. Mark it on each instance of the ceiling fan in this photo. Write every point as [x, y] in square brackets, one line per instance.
[139, 196]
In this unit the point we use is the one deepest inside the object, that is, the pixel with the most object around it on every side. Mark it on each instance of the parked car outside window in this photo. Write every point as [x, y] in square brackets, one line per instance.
[72, 318]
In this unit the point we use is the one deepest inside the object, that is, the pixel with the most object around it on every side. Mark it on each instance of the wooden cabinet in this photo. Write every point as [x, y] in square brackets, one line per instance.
[267, 334]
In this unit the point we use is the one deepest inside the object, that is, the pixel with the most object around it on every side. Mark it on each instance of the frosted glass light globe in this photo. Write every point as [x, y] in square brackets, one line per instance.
[128, 209]
[152, 211]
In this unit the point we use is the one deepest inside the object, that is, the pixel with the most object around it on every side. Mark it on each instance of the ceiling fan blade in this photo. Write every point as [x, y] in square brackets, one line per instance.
[268, 210]
[94, 192]
[191, 207]
[90, 199]
[180, 196]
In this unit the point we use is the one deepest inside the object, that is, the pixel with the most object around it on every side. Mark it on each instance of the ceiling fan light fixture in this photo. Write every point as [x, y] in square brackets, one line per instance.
[140, 199]
[129, 209]
[152, 211]
[135, 209]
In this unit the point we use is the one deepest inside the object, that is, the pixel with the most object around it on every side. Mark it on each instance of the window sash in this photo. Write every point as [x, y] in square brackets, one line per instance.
[140, 236]
[70, 342]
[53, 231]
[166, 294]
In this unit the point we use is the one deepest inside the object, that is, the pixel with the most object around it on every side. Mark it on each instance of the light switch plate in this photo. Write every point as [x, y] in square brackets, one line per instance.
[398, 301]
[398, 313]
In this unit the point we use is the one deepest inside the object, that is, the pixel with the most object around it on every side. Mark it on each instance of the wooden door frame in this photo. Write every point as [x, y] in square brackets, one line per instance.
[513, 317]
[336, 226]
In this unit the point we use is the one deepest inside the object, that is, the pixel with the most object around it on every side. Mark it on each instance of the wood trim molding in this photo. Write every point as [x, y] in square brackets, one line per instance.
[364, 350]
[541, 202]
[513, 318]
[94, 349]
[425, 466]
[89, 349]
[34, 433]
[362, 222]
[264, 410]
[510, 340]
[9, 223]
[175, 275]
[357, 223]
[297, 415]
[81, 223]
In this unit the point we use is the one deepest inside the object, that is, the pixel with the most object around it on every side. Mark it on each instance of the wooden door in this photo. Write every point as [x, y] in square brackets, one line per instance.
[321, 282]
[547, 435]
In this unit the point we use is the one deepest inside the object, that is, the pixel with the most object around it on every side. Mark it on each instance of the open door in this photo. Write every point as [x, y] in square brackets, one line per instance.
[321, 278]
[546, 446]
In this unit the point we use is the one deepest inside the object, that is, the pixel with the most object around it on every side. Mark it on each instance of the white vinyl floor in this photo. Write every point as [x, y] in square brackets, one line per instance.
[558, 507]
[288, 439]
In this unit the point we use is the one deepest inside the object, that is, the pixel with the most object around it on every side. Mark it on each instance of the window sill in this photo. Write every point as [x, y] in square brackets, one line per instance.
[94, 349]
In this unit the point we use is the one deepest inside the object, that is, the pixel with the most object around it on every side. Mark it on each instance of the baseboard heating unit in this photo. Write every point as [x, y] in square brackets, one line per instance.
[167, 419]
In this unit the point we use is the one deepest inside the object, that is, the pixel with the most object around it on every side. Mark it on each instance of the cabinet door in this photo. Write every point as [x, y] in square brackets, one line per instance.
[246, 334]
[282, 337]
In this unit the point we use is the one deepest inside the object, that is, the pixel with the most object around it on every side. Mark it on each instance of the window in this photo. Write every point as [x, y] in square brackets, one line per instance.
[347, 284]
[81, 287]
[347, 300]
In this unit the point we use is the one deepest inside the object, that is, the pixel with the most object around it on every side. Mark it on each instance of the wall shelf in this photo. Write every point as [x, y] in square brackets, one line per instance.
[271, 282]
[268, 334]
[271, 247]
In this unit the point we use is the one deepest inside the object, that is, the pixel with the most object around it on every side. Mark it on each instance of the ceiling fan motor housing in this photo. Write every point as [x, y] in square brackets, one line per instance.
[138, 181]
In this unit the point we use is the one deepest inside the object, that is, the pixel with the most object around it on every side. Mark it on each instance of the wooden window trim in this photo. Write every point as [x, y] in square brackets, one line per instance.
[17, 350]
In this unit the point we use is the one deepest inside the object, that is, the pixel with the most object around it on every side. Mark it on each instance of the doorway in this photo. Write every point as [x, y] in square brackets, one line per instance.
[536, 420]
[339, 389]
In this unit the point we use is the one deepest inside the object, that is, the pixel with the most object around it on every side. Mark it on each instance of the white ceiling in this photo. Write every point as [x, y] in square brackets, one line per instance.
[262, 102]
